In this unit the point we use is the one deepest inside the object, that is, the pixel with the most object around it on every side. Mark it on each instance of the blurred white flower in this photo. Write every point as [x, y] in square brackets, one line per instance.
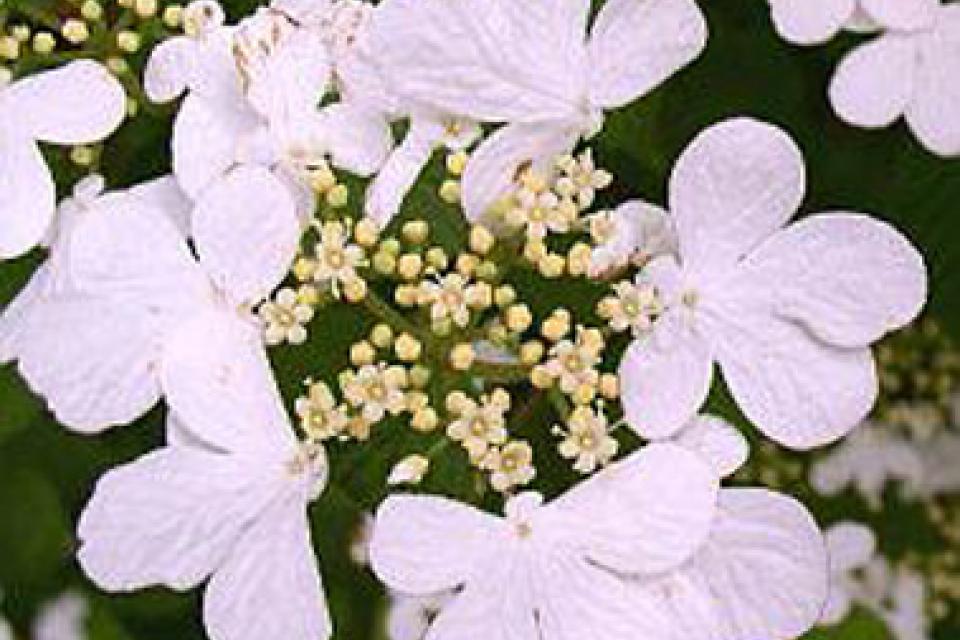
[62, 619]
[816, 21]
[99, 354]
[533, 66]
[78, 103]
[224, 502]
[409, 617]
[788, 311]
[850, 547]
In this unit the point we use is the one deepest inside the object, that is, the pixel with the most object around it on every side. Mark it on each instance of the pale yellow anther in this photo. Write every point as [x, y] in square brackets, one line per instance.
[173, 16]
[450, 191]
[415, 231]
[366, 233]
[518, 318]
[128, 41]
[338, 196]
[462, 356]
[362, 353]
[355, 290]
[504, 296]
[75, 31]
[44, 42]
[437, 258]
[481, 240]
[531, 352]
[381, 335]
[384, 262]
[609, 386]
[425, 419]
[457, 162]
[407, 348]
[409, 266]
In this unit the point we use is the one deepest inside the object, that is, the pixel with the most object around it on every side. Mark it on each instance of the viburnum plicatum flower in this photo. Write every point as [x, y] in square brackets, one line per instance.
[533, 66]
[98, 353]
[54, 277]
[788, 311]
[851, 547]
[645, 549]
[75, 104]
[224, 502]
[900, 73]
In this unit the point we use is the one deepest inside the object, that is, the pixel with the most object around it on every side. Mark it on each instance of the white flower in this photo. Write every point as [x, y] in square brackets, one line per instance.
[870, 458]
[717, 442]
[285, 317]
[530, 65]
[55, 277]
[587, 440]
[78, 103]
[850, 547]
[410, 470]
[480, 425]
[6, 633]
[409, 617]
[635, 232]
[62, 619]
[98, 355]
[223, 503]
[788, 312]
[376, 390]
[901, 73]
[337, 258]
[644, 549]
[510, 465]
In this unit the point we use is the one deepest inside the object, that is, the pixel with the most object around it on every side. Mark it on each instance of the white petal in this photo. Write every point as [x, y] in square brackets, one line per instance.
[169, 518]
[93, 361]
[849, 278]
[637, 44]
[16, 318]
[269, 586]
[167, 73]
[219, 383]
[358, 139]
[166, 195]
[646, 514]
[837, 607]
[502, 61]
[423, 545]
[393, 182]
[665, 377]
[717, 442]
[796, 389]
[734, 185]
[934, 112]
[27, 196]
[810, 21]
[875, 82]
[765, 566]
[851, 546]
[905, 15]
[78, 103]
[133, 254]
[247, 233]
[579, 601]
[490, 174]
[206, 140]
[290, 80]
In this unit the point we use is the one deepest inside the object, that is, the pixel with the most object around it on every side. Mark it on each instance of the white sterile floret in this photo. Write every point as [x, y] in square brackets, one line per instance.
[533, 66]
[851, 547]
[131, 264]
[900, 73]
[76, 104]
[224, 502]
[633, 233]
[788, 311]
[55, 277]
[650, 534]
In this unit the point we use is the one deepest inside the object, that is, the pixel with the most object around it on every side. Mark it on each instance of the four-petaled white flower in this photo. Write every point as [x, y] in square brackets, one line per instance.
[647, 548]
[901, 73]
[98, 353]
[75, 104]
[223, 502]
[533, 66]
[789, 312]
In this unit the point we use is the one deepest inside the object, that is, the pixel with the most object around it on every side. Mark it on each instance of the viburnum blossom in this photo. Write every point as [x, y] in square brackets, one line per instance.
[532, 66]
[224, 502]
[74, 104]
[789, 312]
[900, 73]
[129, 263]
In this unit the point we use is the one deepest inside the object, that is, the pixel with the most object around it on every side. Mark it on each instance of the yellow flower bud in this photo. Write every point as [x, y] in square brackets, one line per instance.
[407, 348]
[9, 48]
[425, 419]
[437, 258]
[531, 352]
[128, 41]
[504, 296]
[584, 394]
[391, 246]
[322, 179]
[417, 400]
[457, 162]
[555, 327]
[442, 328]
[481, 240]
[304, 268]
[82, 156]
[117, 66]
[384, 263]
[456, 401]
[308, 294]
[406, 295]
[44, 42]
[592, 339]
[552, 266]
[450, 191]
[462, 356]
[500, 398]
[419, 376]
[145, 8]
[479, 296]
[75, 31]
[467, 263]
[486, 270]
[355, 290]
[382, 335]
[365, 232]
[409, 266]
[535, 250]
[541, 378]
[338, 196]
[578, 259]
[519, 318]
[173, 16]
[362, 353]
[415, 231]
[609, 386]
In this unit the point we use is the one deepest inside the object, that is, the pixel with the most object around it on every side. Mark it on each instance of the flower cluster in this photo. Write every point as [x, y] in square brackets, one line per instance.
[174, 290]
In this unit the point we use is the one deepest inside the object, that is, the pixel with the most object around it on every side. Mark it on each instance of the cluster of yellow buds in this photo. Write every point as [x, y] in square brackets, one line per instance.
[450, 190]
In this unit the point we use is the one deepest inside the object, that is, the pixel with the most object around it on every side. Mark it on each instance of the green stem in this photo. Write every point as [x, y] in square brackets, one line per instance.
[378, 307]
